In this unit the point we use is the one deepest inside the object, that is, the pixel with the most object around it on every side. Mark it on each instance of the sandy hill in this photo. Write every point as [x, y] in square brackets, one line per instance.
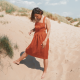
[64, 51]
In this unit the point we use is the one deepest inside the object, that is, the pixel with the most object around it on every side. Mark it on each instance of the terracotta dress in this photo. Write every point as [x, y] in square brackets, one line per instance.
[35, 49]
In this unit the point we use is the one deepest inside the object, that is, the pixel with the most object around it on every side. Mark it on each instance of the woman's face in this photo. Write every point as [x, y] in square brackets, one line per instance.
[38, 16]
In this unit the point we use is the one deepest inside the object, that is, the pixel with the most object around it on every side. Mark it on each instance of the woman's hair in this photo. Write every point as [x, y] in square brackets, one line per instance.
[36, 10]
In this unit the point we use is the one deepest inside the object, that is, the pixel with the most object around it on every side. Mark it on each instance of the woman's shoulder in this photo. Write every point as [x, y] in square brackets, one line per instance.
[46, 19]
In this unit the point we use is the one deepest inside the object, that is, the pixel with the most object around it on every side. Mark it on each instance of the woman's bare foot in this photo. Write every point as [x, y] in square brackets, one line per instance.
[16, 62]
[43, 75]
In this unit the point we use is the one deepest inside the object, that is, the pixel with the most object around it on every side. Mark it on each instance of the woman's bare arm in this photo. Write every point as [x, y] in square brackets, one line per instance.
[48, 26]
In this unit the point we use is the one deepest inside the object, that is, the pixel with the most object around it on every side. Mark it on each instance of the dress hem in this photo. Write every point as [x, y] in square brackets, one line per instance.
[37, 56]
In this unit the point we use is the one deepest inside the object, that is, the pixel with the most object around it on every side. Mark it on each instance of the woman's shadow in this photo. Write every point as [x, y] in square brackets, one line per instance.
[31, 62]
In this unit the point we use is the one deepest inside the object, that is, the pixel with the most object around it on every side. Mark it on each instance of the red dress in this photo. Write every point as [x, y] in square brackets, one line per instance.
[35, 49]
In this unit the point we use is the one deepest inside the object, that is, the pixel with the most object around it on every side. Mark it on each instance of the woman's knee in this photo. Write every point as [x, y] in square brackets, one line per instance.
[26, 53]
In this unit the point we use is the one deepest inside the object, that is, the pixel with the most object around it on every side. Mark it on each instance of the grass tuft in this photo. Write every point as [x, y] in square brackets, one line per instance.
[10, 9]
[1, 15]
[6, 45]
[16, 46]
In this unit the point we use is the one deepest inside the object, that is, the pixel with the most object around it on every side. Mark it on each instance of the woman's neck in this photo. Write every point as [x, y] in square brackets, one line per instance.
[39, 20]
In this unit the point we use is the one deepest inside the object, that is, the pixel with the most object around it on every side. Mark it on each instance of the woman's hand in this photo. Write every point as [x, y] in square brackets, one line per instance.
[43, 44]
[30, 32]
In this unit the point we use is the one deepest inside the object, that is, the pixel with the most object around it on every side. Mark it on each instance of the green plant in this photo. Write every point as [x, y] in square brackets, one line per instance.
[75, 20]
[1, 15]
[6, 45]
[10, 9]
[16, 46]
[72, 21]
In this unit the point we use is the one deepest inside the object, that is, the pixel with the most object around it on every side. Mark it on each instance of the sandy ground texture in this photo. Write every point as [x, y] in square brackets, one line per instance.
[64, 51]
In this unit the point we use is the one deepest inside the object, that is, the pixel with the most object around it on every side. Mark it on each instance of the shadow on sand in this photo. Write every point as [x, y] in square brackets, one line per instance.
[31, 62]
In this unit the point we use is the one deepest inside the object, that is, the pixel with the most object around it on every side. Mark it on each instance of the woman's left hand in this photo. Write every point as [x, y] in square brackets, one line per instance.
[43, 44]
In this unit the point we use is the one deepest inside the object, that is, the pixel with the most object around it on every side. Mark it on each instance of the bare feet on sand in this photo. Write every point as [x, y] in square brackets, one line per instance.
[43, 75]
[16, 62]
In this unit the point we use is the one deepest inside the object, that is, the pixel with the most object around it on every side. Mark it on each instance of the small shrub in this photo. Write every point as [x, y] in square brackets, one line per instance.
[16, 46]
[9, 9]
[50, 16]
[69, 18]
[55, 18]
[1, 15]
[6, 45]
[72, 21]
[75, 20]
[77, 25]
[24, 14]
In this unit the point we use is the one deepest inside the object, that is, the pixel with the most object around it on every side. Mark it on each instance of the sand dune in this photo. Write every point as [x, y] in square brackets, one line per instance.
[64, 51]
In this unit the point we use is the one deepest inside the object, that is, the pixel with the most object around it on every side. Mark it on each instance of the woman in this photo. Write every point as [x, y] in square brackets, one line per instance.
[39, 45]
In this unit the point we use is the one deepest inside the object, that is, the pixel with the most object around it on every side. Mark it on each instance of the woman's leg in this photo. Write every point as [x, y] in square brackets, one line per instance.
[45, 61]
[21, 58]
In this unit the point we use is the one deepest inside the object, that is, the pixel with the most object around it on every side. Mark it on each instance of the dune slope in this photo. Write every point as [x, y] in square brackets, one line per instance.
[64, 51]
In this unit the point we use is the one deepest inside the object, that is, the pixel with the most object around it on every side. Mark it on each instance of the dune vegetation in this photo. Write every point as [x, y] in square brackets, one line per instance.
[71, 20]
[5, 44]
[11, 9]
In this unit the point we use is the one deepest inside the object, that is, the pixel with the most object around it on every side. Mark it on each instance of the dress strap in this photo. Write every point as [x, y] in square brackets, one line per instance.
[44, 19]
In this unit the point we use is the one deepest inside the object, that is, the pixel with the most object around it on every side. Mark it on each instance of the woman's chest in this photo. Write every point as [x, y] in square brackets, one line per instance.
[40, 25]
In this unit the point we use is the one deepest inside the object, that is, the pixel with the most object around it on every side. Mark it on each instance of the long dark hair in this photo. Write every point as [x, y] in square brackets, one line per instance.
[36, 10]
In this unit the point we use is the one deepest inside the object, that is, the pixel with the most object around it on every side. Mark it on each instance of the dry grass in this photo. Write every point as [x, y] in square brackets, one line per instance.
[51, 16]
[56, 17]
[22, 14]
[4, 22]
[11, 9]
[78, 24]
[69, 18]
[73, 20]
[21, 10]
[7, 7]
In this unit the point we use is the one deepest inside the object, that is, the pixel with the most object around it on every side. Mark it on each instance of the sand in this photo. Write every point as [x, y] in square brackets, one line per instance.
[64, 51]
